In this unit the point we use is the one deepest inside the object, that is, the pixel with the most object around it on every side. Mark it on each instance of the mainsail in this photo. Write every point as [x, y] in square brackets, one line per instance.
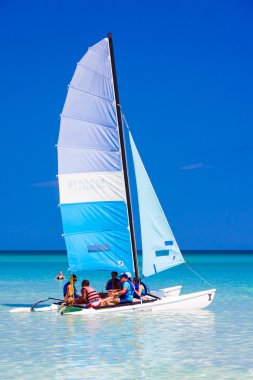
[90, 172]
[159, 247]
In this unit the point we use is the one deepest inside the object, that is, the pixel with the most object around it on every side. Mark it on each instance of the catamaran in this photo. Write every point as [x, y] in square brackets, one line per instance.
[95, 195]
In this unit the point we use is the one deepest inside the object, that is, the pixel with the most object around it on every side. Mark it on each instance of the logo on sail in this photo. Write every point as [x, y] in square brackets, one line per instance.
[98, 248]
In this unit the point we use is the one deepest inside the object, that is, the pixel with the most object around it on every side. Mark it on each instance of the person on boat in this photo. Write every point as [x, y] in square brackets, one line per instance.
[121, 296]
[69, 289]
[60, 276]
[140, 289]
[114, 282]
[89, 296]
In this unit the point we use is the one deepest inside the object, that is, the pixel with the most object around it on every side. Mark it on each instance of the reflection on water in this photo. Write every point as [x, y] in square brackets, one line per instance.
[142, 345]
[203, 344]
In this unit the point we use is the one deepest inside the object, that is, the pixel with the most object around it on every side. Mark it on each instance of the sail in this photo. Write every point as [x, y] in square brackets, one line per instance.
[90, 173]
[159, 247]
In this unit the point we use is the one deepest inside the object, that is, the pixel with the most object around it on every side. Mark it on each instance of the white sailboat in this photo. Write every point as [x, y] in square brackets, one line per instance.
[95, 197]
[95, 192]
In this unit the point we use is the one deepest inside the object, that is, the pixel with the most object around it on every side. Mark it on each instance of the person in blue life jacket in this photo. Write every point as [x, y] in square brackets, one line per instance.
[69, 289]
[125, 294]
[114, 282]
[140, 289]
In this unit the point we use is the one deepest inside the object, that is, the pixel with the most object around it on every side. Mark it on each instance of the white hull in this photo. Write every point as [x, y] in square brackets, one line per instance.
[186, 302]
[53, 307]
[171, 300]
[173, 291]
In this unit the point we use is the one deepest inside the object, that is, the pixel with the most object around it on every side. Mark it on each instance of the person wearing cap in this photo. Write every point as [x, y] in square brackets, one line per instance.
[125, 294]
[114, 282]
[129, 276]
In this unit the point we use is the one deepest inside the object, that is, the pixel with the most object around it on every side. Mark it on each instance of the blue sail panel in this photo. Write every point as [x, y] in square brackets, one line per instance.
[105, 250]
[94, 216]
[159, 247]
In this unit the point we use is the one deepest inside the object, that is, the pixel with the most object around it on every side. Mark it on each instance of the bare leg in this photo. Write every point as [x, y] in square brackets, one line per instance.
[112, 300]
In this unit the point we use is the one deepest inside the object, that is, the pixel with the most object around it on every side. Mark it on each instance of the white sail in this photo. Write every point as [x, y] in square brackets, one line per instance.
[159, 247]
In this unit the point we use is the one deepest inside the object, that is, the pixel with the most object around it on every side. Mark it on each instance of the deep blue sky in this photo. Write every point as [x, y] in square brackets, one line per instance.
[185, 75]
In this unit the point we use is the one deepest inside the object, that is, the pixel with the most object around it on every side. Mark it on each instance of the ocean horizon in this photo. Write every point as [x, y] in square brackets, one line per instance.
[139, 251]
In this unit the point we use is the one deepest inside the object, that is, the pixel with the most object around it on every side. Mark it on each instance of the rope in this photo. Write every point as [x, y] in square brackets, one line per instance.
[198, 275]
[124, 120]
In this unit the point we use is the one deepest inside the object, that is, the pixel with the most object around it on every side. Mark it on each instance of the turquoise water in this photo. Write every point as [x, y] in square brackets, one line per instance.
[216, 342]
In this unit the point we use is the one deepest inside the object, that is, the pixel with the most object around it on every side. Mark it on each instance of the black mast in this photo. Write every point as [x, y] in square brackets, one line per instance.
[124, 161]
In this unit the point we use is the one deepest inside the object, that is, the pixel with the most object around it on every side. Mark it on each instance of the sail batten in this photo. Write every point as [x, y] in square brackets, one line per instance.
[87, 121]
[94, 72]
[86, 147]
[92, 94]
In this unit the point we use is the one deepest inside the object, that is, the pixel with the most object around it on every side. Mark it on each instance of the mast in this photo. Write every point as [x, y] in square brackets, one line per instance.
[124, 161]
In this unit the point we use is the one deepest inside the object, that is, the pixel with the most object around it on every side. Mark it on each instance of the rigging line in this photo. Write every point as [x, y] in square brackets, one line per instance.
[123, 116]
[197, 274]
[93, 71]
[91, 93]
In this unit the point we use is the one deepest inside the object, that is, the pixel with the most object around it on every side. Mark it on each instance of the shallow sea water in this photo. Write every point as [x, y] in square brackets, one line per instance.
[213, 343]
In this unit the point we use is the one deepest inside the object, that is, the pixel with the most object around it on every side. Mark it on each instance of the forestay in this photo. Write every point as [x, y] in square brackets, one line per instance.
[91, 180]
[159, 247]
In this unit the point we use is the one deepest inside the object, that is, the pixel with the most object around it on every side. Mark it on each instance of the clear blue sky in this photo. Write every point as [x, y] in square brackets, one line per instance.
[185, 75]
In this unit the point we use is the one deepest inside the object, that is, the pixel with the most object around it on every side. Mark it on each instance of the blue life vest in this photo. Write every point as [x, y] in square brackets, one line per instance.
[143, 292]
[131, 286]
[65, 290]
[128, 296]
